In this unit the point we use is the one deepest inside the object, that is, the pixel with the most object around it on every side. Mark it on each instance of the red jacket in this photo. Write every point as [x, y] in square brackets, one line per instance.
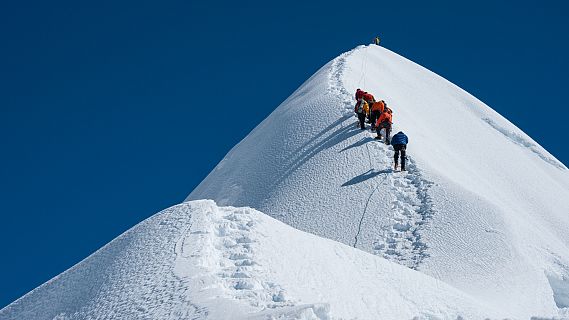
[368, 97]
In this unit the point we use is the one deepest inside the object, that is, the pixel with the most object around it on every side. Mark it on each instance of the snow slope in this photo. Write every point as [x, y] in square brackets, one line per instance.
[197, 260]
[483, 207]
[478, 226]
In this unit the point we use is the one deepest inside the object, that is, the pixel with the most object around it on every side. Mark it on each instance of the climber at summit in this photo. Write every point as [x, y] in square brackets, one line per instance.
[376, 40]
[399, 143]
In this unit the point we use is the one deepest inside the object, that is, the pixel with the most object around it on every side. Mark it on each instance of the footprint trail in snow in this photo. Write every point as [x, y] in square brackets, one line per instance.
[411, 207]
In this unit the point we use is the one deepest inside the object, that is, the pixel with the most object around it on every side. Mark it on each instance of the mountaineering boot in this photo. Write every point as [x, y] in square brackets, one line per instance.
[395, 167]
[378, 137]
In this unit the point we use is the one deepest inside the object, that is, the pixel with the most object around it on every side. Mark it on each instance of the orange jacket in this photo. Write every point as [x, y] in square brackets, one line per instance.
[378, 106]
[385, 116]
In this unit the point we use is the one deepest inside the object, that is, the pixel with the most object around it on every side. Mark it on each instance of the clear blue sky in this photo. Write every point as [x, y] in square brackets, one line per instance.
[107, 112]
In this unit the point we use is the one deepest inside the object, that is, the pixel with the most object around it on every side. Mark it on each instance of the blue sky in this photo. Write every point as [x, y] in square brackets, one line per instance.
[114, 110]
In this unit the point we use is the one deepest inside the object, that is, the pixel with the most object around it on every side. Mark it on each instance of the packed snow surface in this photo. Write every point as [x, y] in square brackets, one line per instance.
[197, 260]
[482, 207]
[477, 227]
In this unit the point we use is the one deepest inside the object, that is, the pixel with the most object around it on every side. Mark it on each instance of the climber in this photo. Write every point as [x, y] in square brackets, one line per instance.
[376, 41]
[361, 109]
[399, 143]
[375, 113]
[368, 97]
[359, 94]
[384, 121]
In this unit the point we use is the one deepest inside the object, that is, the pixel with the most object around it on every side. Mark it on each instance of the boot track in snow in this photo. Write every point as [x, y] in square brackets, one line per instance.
[225, 242]
[411, 208]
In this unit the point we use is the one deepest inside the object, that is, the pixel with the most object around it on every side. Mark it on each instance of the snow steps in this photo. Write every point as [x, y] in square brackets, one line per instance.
[400, 240]
[411, 208]
[227, 250]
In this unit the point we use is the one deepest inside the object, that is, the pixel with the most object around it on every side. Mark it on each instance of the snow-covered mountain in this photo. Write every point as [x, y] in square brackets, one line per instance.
[197, 261]
[478, 227]
[483, 207]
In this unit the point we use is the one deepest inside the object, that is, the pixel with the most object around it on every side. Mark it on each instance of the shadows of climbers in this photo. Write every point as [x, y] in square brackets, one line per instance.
[358, 143]
[322, 133]
[365, 176]
[333, 138]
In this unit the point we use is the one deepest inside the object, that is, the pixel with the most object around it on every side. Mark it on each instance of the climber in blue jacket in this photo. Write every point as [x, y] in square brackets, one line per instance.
[399, 142]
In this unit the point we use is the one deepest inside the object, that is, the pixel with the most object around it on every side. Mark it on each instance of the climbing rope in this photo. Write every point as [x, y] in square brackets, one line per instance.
[363, 69]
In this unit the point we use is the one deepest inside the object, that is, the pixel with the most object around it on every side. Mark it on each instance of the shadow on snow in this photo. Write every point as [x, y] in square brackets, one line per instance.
[327, 138]
[358, 143]
[365, 176]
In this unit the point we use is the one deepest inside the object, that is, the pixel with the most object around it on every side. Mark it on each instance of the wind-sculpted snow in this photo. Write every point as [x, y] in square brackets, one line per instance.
[132, 277]
[202, 261]
[475, 210]
[524, 142]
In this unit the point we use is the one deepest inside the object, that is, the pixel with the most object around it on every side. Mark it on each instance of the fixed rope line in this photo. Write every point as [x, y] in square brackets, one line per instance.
[365, 210]
[369, 198]
[363, 69]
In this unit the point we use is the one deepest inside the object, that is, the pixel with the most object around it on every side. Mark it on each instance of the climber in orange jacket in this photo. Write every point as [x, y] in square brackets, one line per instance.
[384, 121]
[375, 113]
[376, 40]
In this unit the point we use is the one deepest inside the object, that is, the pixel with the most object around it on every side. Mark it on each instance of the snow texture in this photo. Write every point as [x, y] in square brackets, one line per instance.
[203, 261]
[482, 207]
[476, 228]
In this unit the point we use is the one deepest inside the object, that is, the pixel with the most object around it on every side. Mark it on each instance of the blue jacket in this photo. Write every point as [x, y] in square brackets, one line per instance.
[399, 138]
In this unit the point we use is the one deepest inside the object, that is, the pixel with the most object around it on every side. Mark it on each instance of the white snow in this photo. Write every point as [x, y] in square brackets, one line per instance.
[478, 226]
[197, 260]
[483, 206]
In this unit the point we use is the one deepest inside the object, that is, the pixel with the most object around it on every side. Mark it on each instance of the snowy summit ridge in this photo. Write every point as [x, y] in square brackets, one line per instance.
[477, 227]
